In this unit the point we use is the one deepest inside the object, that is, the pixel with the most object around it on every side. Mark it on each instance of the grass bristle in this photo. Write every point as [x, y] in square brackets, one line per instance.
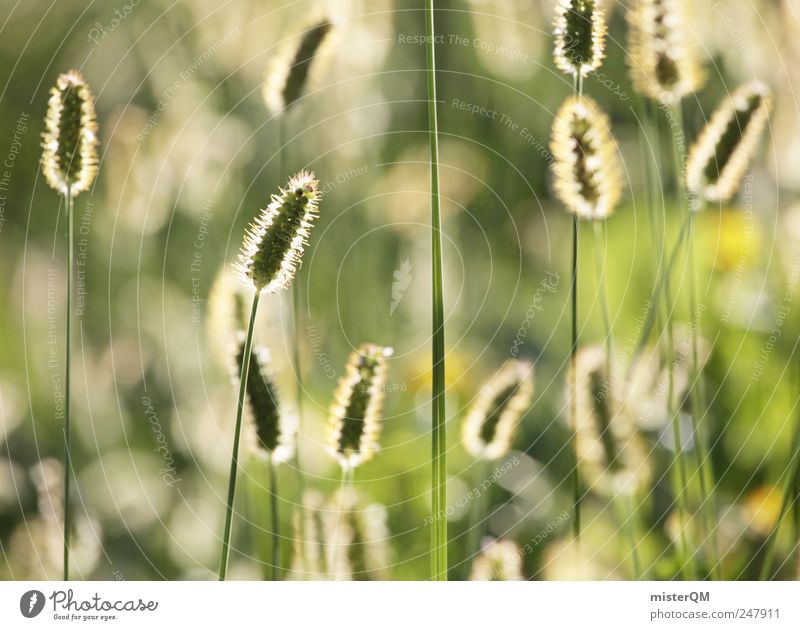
[274, 243]
[587, 175]
[663, 63]
[354, 423]
[69, 159]
[580, 33]
[501, 402]
[719, 158]
[297, 66]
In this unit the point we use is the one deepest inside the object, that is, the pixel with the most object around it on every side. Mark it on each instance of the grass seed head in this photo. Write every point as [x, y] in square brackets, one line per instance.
[501, 402]
[355, 417]
[297, 66]
[586, 169]
[663, 63]
[719, 158]
[274, 243]
[274, 432]
[498, 561]
[69, 159]
[308, 524]
[356, 538]
[580, 34]
[610, 450]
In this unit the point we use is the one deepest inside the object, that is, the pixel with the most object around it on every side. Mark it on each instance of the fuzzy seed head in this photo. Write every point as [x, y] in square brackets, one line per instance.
[580, 34]
[663, 64]
[274, 432]
[69, 159]
[356, 538]
[297, 66]
[273, 246]
[650, 382]
[308, 560]
[586, 168]
[354, 423]
[719, 158]
[501, 402]
[498, 561]
[609, 448]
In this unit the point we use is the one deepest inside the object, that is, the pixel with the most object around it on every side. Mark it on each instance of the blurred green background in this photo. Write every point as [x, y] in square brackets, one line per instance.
[189, 154]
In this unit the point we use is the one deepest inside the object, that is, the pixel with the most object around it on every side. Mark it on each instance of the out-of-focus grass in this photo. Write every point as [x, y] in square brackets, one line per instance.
[184, 193]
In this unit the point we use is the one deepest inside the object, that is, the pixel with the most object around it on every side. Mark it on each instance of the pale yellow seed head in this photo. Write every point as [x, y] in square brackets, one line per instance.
[69, 157]
[354, 421]
[719, 158]
[298, 65]
[273, 244]
[501, 402]
[609, 448]
[356, 538]
[586, 167]
[580, 35]
[499, 561]
[663, 63]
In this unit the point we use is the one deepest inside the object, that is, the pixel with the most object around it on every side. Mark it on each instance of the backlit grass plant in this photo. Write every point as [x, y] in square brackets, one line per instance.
[665, 68]
[354, 421]
[663, 62]
[274, 430]
[297, 67]
[585, 184]
[271, 253]
[69, 163]
[580, 34]
[611, 453]
[489, 427]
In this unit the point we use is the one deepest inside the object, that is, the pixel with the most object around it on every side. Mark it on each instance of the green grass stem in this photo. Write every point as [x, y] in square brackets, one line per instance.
[226, 534]
[439, 442]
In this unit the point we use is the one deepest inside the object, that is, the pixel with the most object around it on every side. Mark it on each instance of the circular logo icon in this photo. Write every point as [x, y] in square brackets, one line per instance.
[31, 603]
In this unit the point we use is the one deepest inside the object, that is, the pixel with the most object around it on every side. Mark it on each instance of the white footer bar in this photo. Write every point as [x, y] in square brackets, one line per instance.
[401, 605]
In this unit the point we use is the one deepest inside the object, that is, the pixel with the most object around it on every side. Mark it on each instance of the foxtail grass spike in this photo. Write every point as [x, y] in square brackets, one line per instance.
[308, 562]
[356, 538]
[587, 174]
[354, 423]
[274, 243]
[69, 160]
[663, 63]
[610, 450]
[274, 434]
[498, 561]
[719, 158]
[297, 66]
[580, 34]
[69, 163]
[501, 402]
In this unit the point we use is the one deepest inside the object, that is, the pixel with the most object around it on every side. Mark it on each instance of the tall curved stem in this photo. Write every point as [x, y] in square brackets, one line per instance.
[226, 534]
